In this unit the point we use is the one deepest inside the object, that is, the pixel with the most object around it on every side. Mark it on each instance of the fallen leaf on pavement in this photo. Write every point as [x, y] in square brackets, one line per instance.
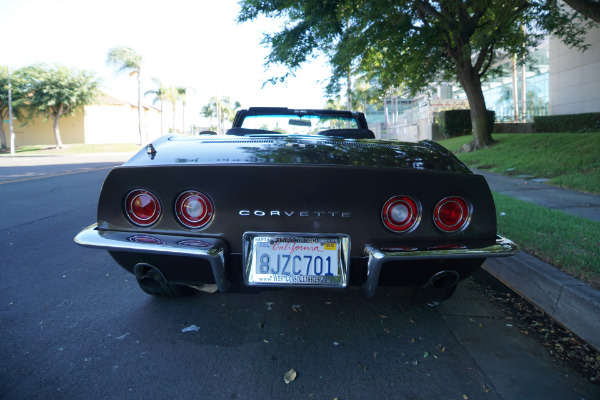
[290, 376]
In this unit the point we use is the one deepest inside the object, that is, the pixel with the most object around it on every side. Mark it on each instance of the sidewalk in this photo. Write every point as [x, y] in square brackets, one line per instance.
[569, 301]
[572, 202]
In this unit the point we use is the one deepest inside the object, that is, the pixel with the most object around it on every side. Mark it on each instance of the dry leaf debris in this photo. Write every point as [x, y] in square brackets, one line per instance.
[290, 376]
[561, 343]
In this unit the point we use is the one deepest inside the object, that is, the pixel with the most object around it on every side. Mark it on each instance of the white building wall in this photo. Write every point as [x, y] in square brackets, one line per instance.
[118, 123]
[111, 124]
[575, 77]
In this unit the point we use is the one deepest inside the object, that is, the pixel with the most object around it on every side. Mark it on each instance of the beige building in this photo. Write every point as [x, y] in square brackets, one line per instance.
[109, 121]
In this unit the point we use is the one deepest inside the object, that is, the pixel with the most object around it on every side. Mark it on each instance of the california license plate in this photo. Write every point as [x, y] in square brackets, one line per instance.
[296, 259]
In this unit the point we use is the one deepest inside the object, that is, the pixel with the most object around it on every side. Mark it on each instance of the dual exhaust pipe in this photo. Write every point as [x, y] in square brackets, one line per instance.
[151, 280]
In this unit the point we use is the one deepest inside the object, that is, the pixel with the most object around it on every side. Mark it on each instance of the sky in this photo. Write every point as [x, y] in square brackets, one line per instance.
[196, 44]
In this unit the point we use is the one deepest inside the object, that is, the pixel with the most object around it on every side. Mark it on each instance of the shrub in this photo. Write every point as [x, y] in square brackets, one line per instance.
[455, 123]
[577, 123]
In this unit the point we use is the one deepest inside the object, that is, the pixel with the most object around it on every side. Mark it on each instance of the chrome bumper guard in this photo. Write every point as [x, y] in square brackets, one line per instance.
[378, 255]
[215, 251]
[212, 250]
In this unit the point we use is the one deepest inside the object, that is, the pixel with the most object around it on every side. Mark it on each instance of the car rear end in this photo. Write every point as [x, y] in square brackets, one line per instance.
[330, 219]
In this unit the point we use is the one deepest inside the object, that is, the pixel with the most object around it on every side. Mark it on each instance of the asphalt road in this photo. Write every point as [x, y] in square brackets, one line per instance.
[74, 325]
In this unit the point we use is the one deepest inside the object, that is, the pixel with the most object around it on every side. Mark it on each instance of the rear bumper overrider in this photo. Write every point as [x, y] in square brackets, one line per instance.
[216, 252]
[212, 250]
[379, 255]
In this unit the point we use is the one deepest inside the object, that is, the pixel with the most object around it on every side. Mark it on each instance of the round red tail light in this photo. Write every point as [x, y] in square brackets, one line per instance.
[194, 209]
[401, 214]
[452, 214]
[142, 207]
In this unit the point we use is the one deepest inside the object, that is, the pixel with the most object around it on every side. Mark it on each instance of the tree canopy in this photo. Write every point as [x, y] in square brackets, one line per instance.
[413, 43]
[16, 95]
[55, 91]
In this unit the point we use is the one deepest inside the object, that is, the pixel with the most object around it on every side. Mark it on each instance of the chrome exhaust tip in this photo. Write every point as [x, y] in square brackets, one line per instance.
[443, 280]
[148, 276]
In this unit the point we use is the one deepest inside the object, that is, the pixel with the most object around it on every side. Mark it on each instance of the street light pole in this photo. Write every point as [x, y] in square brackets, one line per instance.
[10, 117]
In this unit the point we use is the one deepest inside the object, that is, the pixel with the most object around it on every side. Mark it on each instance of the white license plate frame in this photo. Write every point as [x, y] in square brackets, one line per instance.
[290, 259]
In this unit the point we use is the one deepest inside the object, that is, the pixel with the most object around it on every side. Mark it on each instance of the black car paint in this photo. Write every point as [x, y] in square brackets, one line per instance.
[314, 185]
[272, 182]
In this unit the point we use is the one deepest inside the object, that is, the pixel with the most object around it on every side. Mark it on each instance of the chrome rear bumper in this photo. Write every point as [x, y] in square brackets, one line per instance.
[379, 255]
[216, 251]
[212, 250]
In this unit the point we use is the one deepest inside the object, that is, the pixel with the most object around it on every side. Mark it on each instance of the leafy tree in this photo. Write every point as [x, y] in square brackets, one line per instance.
[16, 96]
[53, 92]
[335, 104]
[364, 94]
[159, 96]
[128, 60]
[413, 43]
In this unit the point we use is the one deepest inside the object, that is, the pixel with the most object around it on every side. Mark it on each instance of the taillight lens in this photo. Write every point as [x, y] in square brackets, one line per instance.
[142, 207]
[194, 209]
[401, 214]
[452, 214]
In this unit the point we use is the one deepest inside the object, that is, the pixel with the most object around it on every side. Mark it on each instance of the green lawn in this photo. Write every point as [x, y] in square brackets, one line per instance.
[570, 160]
[565, 241]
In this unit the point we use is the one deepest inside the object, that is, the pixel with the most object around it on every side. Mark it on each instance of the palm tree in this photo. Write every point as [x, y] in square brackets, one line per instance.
[128, 60]
[222, 109]
[172, 96]
[208, 112]
[159, 95]
[182, 91]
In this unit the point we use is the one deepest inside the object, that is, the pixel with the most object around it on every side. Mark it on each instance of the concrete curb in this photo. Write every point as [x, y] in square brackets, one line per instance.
[569, 301]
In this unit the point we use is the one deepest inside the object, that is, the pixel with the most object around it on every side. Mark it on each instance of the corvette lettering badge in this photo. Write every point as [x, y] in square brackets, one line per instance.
[277, 213]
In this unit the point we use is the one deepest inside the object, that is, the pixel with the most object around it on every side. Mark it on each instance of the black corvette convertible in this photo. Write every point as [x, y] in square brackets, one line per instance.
[296, 198]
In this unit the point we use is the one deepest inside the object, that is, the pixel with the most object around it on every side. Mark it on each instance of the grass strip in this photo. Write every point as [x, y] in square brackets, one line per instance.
[569, 160]
[565, 241]
[75, 149]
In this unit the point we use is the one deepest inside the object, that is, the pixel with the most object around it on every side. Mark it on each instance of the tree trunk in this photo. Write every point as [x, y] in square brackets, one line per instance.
[386, 111]
[140, 109]
[161, 118]
[515, 93]
[174, 105]
[524, 93]
[349, 92]
[219, 132]
[59, 143]
[479, 116]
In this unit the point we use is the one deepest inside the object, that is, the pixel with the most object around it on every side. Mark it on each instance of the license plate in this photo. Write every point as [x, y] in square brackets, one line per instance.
[296, 259]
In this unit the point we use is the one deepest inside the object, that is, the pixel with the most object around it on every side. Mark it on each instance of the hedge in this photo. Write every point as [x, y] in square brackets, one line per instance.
[576, 123]
[454, 123]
